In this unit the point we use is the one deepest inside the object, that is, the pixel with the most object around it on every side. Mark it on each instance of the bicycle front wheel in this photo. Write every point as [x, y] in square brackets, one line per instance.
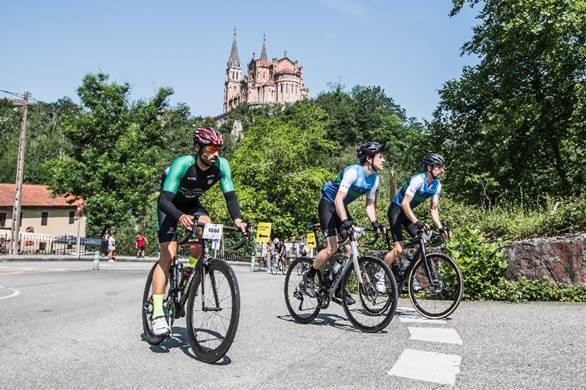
[372, 309]
[301, 306]
[213, 311]
[147, 308]
[436, 297]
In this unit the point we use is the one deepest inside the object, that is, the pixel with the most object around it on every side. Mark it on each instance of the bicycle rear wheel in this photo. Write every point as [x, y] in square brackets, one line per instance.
[147, 308]
[439, 297]
[372, 310]
[213, 311]
[302, 307]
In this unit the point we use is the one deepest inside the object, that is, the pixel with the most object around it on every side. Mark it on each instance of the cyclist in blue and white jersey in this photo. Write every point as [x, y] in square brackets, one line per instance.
[413, 192]
[352, 182]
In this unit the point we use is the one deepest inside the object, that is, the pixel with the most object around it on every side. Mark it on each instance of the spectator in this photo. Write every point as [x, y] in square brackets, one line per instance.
[140, 243]
[111, 247]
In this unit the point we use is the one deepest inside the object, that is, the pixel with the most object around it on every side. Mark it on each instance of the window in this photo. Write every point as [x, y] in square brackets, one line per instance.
[71, 217]
[2, 219]
[44, 218]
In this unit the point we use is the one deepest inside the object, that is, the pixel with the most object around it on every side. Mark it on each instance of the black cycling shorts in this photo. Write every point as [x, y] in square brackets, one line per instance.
[397, 221]
[167, 225]
[328, 218]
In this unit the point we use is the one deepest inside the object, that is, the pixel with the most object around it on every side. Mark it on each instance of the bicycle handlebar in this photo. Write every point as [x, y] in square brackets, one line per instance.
[190, 233]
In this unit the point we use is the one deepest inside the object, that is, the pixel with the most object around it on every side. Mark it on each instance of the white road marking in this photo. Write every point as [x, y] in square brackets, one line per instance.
[436, 335]
[412, 316]
[427, 366]
[14, 293]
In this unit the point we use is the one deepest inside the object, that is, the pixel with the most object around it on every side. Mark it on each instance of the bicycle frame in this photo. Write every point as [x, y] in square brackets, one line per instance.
[351, 261]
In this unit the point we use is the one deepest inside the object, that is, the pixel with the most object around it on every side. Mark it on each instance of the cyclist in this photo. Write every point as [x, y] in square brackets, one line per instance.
[352, 182]
[413, 192]
[183, 183]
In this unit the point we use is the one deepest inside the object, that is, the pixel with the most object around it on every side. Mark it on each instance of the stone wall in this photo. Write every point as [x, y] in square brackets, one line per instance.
[561, 260]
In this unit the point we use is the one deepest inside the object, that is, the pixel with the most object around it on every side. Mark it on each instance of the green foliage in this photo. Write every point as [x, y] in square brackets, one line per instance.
[44, 138]
[516, 222]
[279, 169]
[118, 151]
[481, 262]
[513, 127]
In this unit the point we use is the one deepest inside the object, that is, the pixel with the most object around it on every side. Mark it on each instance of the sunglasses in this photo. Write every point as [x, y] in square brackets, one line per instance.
[213, 149]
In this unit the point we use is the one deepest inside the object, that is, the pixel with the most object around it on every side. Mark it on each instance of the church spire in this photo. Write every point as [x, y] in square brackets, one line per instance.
[263, 53]
[234, 61]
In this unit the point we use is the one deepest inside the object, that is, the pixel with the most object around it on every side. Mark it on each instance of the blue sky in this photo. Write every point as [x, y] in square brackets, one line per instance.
[410, 48]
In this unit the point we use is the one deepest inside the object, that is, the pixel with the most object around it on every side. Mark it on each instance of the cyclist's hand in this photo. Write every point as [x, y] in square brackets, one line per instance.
[186, 221]
[445, 233]
[380, 229]
[242, 226]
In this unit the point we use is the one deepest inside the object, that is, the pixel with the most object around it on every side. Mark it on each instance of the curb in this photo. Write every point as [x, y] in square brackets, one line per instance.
[119, 259]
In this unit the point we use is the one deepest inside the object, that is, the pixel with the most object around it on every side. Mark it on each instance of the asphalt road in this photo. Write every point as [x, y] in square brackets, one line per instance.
[63, 325]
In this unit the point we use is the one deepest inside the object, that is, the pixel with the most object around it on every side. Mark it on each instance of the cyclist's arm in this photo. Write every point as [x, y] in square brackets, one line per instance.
[176, 171]
[406, 207]
[435, 208]
[348, 178]
[371, 201]
[227, 186]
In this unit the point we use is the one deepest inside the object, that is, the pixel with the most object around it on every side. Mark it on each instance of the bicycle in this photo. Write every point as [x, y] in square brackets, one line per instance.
[211, 294]
[371, 311]
[279, 264]
[435, 284]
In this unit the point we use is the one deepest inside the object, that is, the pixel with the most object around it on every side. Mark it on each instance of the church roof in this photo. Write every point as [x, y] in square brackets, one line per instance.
[263, 53]
[234, 61]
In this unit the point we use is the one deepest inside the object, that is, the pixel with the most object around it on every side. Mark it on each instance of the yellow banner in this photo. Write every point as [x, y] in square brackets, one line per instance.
[263, 232]
[310, 240]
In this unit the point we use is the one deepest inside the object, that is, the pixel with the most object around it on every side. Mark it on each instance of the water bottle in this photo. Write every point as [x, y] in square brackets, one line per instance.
[337, 265]
[186, 274]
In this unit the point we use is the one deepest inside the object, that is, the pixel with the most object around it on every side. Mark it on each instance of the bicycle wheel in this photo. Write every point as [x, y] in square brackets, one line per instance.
[213, 312]
[147, 308]
[302, 308]
[439, 297]
[372, 310]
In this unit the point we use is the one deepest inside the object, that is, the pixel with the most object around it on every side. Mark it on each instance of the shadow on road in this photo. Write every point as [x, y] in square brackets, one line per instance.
[327, 319]
[178, 339]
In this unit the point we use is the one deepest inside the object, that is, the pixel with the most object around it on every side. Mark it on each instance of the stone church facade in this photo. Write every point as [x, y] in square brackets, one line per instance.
[277, 81]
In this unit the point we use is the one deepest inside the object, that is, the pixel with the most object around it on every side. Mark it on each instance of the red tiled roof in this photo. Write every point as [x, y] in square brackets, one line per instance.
[34, 195]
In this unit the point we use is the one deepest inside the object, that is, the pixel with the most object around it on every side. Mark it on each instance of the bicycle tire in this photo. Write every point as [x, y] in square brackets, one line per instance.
[379, 315]
[196, 338]
[292, 290]
[451, 287]
[146, 310]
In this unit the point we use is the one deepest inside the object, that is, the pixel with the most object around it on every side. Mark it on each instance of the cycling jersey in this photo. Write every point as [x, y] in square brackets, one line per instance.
[354, 181]
[416, 186]
[184, 182]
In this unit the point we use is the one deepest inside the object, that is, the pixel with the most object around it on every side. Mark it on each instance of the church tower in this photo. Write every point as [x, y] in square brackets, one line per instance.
[233, 83]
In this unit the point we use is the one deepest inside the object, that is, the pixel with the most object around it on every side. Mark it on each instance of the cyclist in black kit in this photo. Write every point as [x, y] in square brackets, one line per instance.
[184, 182]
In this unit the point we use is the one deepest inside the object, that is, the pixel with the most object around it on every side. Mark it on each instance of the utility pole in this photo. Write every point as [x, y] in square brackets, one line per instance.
[19, 177]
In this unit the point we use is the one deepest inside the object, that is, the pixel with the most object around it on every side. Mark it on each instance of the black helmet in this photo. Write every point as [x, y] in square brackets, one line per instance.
[368, 149]
[433, 159]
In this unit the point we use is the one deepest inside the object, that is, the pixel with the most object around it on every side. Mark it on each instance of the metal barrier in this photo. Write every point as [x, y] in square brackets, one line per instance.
[47, 244]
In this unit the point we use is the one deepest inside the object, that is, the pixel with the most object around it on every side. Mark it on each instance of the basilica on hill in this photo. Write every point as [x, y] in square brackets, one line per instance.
[279, 80]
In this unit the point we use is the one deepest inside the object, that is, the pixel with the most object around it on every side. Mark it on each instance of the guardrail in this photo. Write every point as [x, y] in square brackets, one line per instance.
[47, 244]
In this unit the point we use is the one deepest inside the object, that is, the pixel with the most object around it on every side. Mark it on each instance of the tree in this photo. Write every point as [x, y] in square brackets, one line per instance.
[279, 169]
[514, 125]
[119, 151]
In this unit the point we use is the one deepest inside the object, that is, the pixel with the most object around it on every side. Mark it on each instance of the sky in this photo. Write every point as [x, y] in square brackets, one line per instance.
[409, 48]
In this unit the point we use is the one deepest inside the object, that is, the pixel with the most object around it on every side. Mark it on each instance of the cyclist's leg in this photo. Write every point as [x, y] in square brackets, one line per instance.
[397, 219]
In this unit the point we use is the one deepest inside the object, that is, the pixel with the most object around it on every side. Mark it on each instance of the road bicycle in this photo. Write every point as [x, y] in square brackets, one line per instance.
[209, 297]
[279, 264]
[434, 282]
[352, 274]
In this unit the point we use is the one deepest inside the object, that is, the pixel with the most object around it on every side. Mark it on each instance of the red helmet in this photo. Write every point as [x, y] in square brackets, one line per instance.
[205, 136]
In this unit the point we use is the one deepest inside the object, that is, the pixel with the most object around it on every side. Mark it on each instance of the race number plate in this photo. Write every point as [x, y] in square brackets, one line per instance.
[213, 232]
